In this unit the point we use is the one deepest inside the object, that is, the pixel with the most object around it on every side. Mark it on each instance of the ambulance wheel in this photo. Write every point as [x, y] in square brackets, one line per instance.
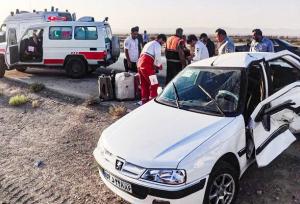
[76, 67]
[2, 67]
[21, 69]
[2, 71]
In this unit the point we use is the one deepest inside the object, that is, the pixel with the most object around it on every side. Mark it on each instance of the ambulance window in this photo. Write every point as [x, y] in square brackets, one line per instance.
[108, 31]
[60, 33]
[85, 33]
[12, 37]
[66, 15]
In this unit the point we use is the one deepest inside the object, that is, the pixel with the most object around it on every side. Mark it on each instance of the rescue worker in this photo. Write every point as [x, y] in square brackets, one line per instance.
[131, 50]
[260, 43]
[225, 44]
[149, 62]
[175, 55]
[200, 50]
[209, 44]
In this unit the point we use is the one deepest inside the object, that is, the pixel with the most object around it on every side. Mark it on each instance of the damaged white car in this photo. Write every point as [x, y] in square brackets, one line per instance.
[196, 139]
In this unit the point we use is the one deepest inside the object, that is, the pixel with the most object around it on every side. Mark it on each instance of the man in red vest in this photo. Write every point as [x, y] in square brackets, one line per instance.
[175, 55]
[148, 63]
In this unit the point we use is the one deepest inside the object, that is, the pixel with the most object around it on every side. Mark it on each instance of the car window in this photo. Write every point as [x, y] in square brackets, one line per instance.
[85, 33]
[283, 73]
[60, 33]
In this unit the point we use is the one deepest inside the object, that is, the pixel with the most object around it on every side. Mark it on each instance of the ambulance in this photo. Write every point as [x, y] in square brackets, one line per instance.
[57, 40]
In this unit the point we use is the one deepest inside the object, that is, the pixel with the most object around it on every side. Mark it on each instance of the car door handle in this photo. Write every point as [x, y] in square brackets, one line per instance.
[93, 49]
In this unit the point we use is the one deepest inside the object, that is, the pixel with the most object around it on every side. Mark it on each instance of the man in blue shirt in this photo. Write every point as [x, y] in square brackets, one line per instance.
[260, 43]
[225, 44]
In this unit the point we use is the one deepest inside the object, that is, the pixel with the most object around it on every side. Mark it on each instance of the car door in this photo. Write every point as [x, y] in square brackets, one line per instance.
[12, 51]
[275, 122]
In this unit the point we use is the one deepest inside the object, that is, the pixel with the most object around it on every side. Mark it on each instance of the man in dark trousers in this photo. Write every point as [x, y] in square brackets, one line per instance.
[209, 44]
[140, 40]
[175, 55]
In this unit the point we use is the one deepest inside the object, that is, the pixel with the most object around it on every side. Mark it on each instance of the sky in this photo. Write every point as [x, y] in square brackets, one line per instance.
[237, 16]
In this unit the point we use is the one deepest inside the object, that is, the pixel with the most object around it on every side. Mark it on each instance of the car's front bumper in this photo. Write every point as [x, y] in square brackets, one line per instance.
[143, 192]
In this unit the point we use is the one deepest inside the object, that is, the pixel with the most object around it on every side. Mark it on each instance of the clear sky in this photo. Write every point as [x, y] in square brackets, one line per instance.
[169, 14]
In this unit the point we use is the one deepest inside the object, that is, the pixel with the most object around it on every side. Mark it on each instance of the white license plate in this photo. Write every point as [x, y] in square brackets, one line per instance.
[118, 182]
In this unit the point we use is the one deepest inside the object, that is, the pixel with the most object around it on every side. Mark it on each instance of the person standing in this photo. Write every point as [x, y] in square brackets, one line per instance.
[145, 38]
[225, 44]
[260, 43]
[209, 44]
[175, 55]
[140, 40]
[131, 49]
[148, 63]
[200, 50]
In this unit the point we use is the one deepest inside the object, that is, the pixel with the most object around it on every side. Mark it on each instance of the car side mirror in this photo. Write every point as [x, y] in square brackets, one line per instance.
[2, 36]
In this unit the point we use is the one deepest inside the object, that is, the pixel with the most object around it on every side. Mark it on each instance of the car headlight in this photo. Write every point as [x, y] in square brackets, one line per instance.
[165, 176]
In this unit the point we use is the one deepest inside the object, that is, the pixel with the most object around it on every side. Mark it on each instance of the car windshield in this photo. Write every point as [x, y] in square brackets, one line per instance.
[206, 90]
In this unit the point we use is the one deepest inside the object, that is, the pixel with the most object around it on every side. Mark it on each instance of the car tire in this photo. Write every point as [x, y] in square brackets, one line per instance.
[21, 69]
[223, 183]
[76, 67]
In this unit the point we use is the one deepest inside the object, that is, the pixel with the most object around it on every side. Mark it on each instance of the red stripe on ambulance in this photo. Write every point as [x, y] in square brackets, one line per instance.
[93, 55]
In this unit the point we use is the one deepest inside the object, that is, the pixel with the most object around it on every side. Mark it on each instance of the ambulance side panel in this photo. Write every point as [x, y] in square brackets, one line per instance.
[56, 51]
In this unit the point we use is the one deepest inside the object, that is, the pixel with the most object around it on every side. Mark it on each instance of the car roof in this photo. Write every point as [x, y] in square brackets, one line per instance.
[238, 59]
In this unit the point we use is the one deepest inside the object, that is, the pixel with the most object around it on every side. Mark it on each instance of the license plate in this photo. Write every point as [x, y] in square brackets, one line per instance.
[117, 182]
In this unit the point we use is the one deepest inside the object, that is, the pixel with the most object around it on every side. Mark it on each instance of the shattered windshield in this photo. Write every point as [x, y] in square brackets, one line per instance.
[205, 90]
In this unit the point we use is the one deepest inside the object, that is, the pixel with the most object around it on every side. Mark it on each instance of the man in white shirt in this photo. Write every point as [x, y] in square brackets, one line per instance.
[200, 50]
[148, 63]
[131, 49]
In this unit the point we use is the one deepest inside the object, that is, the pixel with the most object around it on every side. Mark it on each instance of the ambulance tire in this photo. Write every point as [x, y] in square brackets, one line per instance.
[21, 69]
[2, 67]
[115, 47]
[76, 67]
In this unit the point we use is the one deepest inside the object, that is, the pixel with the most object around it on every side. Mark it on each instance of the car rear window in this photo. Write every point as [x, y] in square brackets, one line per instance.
[85, 33]
[60, 33]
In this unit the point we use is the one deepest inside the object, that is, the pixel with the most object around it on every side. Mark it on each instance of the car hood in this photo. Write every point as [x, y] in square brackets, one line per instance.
[159, 136]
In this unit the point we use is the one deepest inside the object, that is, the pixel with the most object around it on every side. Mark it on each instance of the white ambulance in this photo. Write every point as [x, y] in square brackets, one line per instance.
[77, 46]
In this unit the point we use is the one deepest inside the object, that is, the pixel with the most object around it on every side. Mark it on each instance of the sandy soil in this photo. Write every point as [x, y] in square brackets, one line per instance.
[62, 134]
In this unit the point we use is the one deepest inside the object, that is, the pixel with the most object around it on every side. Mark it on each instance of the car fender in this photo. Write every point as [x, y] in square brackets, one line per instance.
[230, 139]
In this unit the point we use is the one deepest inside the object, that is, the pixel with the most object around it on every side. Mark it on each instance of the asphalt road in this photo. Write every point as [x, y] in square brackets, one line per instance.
[57, 80]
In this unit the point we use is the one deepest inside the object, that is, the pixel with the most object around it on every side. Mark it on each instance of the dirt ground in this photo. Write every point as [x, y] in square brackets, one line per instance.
[46, 155]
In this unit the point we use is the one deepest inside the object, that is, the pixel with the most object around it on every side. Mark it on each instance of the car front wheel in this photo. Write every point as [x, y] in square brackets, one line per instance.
[223, 186]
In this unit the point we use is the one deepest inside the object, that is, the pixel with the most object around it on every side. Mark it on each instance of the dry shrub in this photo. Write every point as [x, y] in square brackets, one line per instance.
[18, 100]
[36, 87]
[117, 111]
